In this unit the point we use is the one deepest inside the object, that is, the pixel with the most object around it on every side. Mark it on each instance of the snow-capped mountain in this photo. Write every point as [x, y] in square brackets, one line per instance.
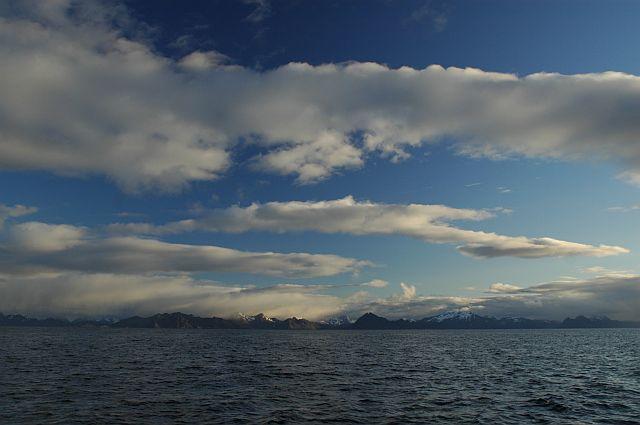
[338, 321]
[453, 315]
[257, 318]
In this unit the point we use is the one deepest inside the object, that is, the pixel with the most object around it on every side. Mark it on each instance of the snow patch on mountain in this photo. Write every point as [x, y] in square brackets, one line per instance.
[338, 321]
[258, 317]
[453, 315]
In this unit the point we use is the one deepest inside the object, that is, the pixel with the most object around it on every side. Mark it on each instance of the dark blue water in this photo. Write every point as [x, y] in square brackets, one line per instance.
[95, 376]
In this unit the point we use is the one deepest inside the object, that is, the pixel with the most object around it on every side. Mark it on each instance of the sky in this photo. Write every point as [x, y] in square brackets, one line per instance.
[319, 158]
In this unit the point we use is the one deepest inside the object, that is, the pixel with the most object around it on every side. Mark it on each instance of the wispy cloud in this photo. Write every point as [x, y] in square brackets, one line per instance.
[35, 247]
[376, 283]
[621, 209]
[430, 223]
[501, 288]
[435, 13]
[94, 294]
[7, 211]
[261, 11]
[104, 294]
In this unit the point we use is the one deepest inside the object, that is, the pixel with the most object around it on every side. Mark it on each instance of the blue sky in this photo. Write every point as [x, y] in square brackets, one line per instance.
[567, 192]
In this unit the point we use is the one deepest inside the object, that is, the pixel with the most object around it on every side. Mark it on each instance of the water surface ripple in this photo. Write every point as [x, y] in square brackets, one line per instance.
[114, 376]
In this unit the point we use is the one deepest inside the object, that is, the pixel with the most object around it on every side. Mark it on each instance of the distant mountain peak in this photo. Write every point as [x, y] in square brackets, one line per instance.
[338, 321]
[261, 317]
[460, 319]
[453, 315]
[371, 321]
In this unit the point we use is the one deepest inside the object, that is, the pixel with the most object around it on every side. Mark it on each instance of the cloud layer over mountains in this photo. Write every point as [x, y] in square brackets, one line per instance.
[104, 294]
[35, 247]
[84, 93]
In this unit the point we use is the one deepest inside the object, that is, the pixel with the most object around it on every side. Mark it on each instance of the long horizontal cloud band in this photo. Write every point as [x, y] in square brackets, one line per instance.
[104, 294]
[609, 295]
[164, 123]
[35, 247]
[425, 222]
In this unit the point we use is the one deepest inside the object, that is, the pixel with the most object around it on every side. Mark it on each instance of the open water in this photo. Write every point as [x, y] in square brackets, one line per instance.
[155, 376]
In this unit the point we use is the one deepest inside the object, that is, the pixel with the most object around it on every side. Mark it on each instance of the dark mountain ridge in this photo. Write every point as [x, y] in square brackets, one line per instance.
[368, 321]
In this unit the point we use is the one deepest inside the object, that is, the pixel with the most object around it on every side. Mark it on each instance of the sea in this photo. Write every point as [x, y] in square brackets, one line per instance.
[180, 376]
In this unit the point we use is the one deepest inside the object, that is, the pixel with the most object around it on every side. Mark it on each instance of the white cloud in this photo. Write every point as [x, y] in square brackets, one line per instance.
[408, 291]
[7, 211]
[596, 270]
[631, 177]
[614, 296]
[261, 12]
[503, 288]
[376, 283]
[426, 222]
[201, 61]
[605, 272]
[537, 248]
[41, 237]
[79, 97]
[38, 247]
[624, 209]
[315, 160]
[104, 294]
[75, 294]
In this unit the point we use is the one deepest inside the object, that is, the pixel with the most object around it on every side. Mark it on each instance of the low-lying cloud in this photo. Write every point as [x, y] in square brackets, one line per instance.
[615, 296]
[35, 247]
[429, 223]
[74, 294]
[121, 295]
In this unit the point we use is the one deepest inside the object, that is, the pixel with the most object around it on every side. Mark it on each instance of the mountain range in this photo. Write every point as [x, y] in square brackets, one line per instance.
[368, 321]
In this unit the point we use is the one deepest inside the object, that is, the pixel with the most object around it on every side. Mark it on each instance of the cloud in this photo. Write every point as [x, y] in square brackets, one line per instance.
[605, 272]
[41, 237]
[624, 209]
[7, 211]
[500, 288]
[631, 177]
[596, 269]
[38, 247]
[426, 222]
[201, 61]
[80, 97]
[436, 13]
[537, 248]
[261, 12]
[376, 283]
[408, 291]
[122, 295]
[314, 160]
[74, 294]
[613, 296]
